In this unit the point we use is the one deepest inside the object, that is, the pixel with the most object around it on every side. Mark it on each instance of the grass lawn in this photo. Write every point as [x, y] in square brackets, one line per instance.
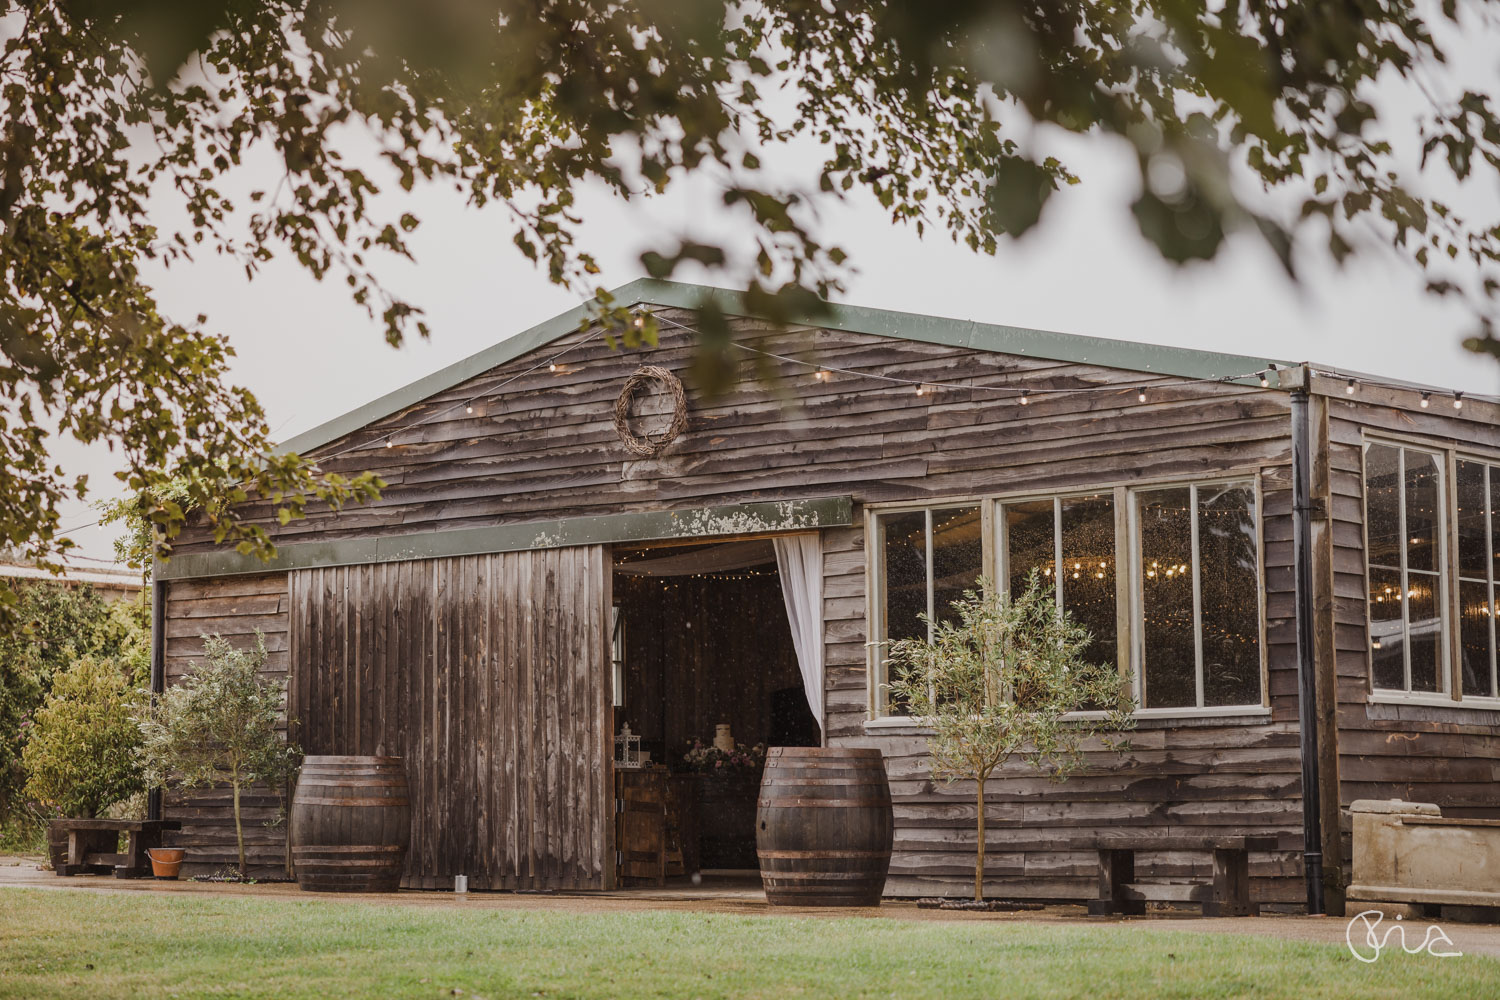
[81, 944]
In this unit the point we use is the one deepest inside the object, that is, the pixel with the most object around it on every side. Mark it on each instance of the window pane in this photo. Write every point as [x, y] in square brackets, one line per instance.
[957, 557]
[1028, 542]
[1495, 517]
[1473, 553]
[1426, 625]
[1229, 595]
[1088, 545]
[1421, 511]
[905, 574]
[1474, 636]
[1386, 641]
[1169, 674]
[1382, 497]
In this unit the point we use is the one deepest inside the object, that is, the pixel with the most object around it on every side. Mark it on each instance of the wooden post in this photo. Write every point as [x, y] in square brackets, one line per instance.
[1230, 895]
[1116, 871]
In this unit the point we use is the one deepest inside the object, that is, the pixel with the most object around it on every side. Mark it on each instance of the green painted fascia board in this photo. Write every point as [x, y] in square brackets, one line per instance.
[1122, 354]
[644, 526]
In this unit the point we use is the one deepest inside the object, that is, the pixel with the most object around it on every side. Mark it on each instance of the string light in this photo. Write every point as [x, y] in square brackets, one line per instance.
[639, 321]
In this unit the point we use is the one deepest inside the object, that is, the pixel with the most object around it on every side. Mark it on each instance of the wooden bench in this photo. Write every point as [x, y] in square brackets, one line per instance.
[1227, 895]
[90, 846]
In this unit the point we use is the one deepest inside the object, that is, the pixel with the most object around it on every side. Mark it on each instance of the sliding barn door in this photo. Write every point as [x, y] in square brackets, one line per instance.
[490, 675]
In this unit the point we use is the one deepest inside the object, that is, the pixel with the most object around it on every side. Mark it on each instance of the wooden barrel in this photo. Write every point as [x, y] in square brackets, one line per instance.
[823, 826]
[351, 824]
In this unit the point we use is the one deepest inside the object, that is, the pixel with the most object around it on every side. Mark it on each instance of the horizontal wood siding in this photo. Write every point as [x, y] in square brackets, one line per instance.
[1182, 778]
[1449, 756]
[545, 447]
[489, 676]
[235, 608]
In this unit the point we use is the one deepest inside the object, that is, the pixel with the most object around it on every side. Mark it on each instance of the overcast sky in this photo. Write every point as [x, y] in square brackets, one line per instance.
[310, 355]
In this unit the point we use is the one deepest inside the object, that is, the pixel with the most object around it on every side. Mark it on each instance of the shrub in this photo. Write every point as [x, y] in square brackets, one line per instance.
[81, 754]
[49, 626]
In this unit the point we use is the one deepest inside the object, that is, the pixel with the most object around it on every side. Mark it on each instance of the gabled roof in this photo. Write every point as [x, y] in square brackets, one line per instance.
[1123, 354]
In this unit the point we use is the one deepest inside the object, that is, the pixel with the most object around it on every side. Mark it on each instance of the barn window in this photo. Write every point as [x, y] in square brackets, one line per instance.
[928, 559]
[1478, 485]
[1197, 598]
[1404, 521]
[1069, 541]
[617, 653]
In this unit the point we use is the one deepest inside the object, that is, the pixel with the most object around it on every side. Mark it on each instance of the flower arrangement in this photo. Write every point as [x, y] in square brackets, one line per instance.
[705, 758]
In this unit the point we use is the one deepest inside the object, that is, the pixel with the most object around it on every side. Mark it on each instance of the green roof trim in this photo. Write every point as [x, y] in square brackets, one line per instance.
[727, 520]
[1151, 359]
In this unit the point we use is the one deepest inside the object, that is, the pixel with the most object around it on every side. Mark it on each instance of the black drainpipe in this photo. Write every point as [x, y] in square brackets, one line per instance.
[1307, 681]
[158, 665]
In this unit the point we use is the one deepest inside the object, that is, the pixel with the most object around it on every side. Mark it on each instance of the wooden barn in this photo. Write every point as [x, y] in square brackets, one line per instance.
[529, 585]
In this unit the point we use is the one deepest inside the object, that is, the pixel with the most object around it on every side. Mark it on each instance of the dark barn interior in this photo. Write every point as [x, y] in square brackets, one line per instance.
[702, 640]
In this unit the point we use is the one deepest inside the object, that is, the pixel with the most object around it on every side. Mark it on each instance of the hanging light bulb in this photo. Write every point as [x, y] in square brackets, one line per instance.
[388, 442]
[552, 367]
[1265, 380]
[1426, 398]
[469, 408]
[921, 390]
[1458, 401]
[1141, 396]
[1349, 387]
[1025, 399]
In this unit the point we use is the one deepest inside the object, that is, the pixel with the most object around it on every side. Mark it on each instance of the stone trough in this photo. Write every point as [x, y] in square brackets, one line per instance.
[1409, 852]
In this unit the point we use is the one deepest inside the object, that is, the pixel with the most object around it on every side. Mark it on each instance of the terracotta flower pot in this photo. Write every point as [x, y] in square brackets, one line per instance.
[165, 861]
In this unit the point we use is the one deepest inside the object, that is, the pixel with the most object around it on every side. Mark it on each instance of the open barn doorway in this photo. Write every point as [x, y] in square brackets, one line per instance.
[706, 675]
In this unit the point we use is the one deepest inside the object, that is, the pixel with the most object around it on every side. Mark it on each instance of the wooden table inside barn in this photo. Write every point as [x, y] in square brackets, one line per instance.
[89, 846]
[1226, 895]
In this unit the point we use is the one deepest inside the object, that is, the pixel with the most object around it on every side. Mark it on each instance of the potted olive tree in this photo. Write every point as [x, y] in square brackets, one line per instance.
[220, 726]
[1001, 678]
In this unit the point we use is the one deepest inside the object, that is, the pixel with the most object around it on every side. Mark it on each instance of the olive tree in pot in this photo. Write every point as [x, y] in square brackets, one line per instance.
[998, 680]
[220, 725]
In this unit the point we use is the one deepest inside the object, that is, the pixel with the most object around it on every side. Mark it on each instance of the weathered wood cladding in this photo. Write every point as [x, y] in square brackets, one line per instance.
[544, 448]
[235, 608]
[1422, 753]
[489, 676]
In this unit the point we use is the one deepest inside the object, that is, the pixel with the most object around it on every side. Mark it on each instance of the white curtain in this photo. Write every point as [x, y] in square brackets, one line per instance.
[799, 559]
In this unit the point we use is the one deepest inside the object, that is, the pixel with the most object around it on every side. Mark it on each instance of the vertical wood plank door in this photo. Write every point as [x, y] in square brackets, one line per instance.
[490, 676]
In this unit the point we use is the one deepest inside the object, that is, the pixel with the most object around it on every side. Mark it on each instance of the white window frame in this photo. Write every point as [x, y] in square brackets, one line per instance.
[1446, 694]
[1138, 603]
[995, 561]
[880, 662]
[1460, 579]
[617, 654]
